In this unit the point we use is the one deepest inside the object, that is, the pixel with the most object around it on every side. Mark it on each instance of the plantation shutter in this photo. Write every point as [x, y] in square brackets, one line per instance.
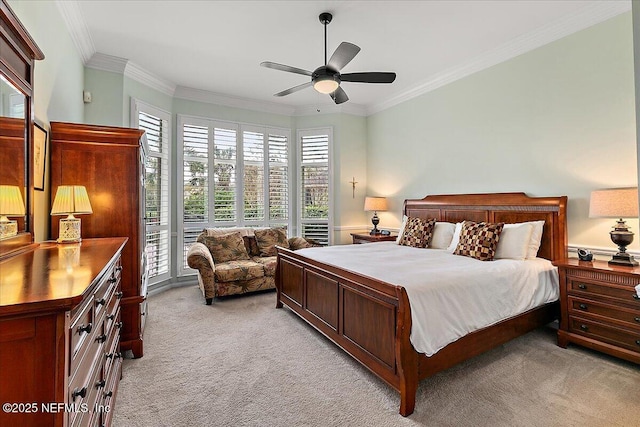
[155, 123]
[224, 174]
[195, 173]
[314, 186]
[278, 179]
[253, 180]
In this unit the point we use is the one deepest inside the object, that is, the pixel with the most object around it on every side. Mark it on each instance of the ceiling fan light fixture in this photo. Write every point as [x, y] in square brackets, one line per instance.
[325, 85]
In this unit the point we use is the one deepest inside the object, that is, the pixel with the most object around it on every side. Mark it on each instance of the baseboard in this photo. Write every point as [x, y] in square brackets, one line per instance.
[170, 284]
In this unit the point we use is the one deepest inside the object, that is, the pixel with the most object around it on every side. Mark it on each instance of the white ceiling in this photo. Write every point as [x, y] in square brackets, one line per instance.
[217, 46]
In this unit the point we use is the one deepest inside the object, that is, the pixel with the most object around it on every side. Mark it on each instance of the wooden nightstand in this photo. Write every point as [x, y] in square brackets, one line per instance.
[368, 238]
[599, 307]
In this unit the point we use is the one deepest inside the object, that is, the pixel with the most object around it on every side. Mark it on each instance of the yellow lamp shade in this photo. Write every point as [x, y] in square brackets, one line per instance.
[11, 203]
[70, 200]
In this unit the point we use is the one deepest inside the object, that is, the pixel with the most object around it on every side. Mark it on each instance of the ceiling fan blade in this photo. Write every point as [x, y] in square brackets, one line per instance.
[343, 55]
[372, 77]
[339, 96]
[287, 68]
[294, 89]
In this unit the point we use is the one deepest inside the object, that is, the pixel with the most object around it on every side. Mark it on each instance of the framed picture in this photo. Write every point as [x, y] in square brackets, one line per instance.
[39, 156]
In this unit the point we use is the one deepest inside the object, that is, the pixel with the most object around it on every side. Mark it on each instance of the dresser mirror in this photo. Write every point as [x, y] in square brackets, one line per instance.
[18, 53]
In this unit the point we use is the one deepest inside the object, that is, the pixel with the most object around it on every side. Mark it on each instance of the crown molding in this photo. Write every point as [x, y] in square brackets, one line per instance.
[70, 11]
[103, 62]
[548, 33]
[139, 74]
[205, 96]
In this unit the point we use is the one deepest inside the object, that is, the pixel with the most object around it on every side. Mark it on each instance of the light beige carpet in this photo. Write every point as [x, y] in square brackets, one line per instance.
[241, 362]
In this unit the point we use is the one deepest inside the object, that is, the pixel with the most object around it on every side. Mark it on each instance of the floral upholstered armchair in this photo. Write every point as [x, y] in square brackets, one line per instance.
[239, 259]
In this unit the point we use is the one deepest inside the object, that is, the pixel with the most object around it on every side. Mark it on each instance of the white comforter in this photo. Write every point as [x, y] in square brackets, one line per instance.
[450, 295]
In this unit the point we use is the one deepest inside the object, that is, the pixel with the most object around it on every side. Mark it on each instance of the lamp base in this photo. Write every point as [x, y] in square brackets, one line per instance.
[8, 229]
[375, 221]
[69, 230]
[623, 258]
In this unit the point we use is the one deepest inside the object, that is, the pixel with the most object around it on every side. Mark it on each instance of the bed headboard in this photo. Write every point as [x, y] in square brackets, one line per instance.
[500, 207]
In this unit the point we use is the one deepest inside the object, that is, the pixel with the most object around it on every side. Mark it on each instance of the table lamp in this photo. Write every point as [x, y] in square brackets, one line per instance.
[11, 204]
[375, 204]
[617, 203]
[70, 200]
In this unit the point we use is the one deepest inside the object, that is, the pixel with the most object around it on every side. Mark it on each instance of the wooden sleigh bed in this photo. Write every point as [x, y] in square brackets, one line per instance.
[371, 319]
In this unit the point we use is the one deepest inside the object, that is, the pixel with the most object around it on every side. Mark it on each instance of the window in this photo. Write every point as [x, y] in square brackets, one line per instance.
[156, 124]
[314, 184]
[248, 182]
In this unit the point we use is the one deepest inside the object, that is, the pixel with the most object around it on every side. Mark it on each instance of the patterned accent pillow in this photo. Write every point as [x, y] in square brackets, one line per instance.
[479, 240]
[251, 245]
[268, 239]
[417, 232]
[226, 247]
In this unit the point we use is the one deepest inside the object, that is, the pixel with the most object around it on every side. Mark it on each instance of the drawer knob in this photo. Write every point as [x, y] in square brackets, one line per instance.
[82, 392]
[583, 306]
[119, 325]
[637, 319]
[119, 268]
[584, 327]
[118, 295]
[108, 355]
[638, 342]
[101, 384]
[85, 328]
[108, 394]
[113, 280]
[101, 301]
[102, 338]
[582, 286]
[110, 316]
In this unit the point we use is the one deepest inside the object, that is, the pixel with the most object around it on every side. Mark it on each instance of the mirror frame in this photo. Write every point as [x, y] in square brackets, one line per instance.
[18, 53]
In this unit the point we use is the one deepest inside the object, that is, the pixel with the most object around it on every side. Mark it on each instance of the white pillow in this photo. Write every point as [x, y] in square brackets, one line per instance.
[536, 238]
[442, 235]
[514, 241]
[402, 227]
[456, 237]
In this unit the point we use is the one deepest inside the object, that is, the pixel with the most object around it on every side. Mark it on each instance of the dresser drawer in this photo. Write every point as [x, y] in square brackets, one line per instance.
[89, 387]
[81, 331]
[105, 291]
[594, 290]
[607, 333]
[604, 312]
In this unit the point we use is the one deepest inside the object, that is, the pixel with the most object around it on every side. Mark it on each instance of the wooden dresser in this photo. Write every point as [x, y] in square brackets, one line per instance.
[60, 334]
[599, 307]
[109, 162]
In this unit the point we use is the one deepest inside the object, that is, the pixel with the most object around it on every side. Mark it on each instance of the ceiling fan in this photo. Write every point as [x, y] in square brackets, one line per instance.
[327, 78]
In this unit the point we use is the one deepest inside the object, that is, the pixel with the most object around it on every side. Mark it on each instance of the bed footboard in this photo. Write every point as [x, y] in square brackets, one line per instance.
[367, 318]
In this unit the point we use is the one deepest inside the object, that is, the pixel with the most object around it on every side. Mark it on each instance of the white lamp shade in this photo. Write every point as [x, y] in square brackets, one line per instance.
[70, 200]
[11, 203]
[375, 204]
[614, 203]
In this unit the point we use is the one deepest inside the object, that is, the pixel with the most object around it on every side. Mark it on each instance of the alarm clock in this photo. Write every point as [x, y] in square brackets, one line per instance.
[585, 255]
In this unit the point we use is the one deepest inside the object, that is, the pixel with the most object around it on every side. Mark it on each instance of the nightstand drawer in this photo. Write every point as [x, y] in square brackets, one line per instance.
[594, 290]
[610, 334]
[604, 312]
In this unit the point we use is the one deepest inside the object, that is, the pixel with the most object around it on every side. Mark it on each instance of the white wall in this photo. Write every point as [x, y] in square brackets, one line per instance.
[559, 120]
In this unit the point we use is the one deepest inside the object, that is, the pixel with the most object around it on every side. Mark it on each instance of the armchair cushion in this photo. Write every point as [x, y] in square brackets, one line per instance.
[226, 247]
[233, 271]
[267, 240]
